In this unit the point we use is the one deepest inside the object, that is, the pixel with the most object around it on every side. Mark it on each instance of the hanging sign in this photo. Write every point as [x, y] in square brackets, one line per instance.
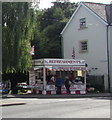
[79, 72]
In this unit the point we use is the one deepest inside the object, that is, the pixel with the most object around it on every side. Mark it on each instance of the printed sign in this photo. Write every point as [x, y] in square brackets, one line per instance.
[50, 87]
[79, 73]
[77, 87]
[64, 62]
[54, 62]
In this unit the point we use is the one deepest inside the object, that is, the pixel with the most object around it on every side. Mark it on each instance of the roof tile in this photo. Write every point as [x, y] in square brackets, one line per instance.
[102, 10]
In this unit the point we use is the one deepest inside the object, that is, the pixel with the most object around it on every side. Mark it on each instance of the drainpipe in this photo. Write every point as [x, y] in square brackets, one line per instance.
[108, 60]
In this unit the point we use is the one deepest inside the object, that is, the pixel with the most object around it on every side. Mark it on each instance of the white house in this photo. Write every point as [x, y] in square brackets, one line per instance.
[88, 34]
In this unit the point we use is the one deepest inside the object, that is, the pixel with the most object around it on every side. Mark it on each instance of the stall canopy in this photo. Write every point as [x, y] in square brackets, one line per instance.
[59, 64]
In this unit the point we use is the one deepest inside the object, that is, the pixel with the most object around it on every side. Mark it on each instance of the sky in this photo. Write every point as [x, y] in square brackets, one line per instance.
[47, 3]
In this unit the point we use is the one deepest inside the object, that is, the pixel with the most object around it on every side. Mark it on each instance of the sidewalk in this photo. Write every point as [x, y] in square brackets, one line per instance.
[4, 103]
[89, 95]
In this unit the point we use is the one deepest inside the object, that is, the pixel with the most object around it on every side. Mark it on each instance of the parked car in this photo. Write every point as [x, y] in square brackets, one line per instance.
[22, 85]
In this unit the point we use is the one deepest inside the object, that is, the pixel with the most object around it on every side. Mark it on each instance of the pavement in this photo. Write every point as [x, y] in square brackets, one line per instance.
[4, 102]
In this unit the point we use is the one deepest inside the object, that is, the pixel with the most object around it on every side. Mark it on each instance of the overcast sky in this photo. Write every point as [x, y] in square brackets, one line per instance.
[47, 3]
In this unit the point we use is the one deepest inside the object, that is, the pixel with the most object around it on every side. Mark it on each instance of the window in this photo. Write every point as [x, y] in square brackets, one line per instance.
[83, 46]
[83, 23]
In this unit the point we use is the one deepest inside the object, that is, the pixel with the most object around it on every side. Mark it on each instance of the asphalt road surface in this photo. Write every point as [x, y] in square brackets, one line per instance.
[56, 108]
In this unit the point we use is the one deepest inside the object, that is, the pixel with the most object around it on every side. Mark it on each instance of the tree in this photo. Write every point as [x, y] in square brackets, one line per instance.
[17, 33]
[51, 22]
[37, 35]
[51, 41]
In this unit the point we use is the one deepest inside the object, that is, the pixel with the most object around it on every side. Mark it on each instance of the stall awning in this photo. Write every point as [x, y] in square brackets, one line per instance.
[39, 67]
[61, 68]
[68, 68]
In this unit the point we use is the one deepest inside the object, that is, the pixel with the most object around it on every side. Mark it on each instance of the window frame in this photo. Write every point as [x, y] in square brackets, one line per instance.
[82, 46]
[82, 22]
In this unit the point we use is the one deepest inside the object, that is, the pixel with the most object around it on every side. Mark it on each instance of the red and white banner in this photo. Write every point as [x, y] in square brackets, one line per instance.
[68, 68]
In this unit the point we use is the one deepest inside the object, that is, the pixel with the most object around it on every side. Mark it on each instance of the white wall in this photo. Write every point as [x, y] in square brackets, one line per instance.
[97, 43]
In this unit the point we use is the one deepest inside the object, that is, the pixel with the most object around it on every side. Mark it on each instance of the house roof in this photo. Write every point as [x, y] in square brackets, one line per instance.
[101, 11]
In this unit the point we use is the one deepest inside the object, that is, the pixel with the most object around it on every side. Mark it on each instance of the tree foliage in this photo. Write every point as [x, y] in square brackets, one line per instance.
[24, 27]
[51, 22]
[17, 32]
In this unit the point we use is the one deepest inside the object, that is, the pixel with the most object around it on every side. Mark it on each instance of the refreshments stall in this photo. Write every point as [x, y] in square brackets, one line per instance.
[43, 69]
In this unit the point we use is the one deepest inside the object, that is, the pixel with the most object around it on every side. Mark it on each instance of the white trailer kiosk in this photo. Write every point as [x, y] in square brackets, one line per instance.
[42, 69]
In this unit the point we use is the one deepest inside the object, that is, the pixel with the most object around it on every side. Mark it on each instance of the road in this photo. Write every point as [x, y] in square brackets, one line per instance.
[56, 108]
